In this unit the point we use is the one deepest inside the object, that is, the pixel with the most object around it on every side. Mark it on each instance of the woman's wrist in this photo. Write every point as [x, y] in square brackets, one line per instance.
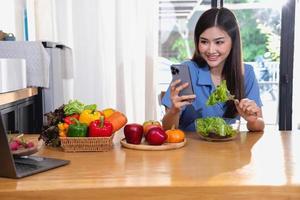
[171, 118]
[173, 110]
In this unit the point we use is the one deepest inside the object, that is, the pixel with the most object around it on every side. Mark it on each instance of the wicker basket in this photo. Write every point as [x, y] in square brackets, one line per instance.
[79, 144]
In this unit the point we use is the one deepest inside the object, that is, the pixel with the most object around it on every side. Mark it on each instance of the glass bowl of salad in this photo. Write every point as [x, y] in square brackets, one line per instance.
[217, 128]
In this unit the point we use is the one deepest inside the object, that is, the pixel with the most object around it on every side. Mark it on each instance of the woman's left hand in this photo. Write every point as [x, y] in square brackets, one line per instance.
[248, 109]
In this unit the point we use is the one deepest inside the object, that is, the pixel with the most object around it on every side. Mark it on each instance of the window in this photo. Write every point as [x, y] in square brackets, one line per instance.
[260, 24]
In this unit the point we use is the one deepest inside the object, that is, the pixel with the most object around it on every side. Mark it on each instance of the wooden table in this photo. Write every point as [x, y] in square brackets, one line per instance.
[254, 166]
[13, 96]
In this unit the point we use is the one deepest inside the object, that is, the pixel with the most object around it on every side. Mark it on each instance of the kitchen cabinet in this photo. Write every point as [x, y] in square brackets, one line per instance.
[9, 117]
[22, 113]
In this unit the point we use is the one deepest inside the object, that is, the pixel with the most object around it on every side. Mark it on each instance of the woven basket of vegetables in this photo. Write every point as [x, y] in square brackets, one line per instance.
[77, 127]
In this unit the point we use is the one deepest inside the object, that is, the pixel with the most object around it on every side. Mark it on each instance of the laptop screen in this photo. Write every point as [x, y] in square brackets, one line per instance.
[7, 168]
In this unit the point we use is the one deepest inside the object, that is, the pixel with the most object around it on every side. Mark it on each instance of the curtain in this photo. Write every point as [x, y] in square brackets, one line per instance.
[114, 43]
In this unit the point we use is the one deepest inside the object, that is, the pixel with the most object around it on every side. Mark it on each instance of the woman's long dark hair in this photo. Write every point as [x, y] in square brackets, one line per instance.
[232, 72]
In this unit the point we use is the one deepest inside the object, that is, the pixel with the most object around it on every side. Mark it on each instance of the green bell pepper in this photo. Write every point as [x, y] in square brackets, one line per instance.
[78, 129]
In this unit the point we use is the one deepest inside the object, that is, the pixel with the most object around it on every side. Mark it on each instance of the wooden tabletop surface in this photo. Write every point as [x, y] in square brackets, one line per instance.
[13, 96]
[254, 166]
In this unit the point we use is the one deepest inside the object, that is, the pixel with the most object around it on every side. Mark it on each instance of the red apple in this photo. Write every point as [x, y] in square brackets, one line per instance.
[150, 124]
[133, 133]
[156, 136]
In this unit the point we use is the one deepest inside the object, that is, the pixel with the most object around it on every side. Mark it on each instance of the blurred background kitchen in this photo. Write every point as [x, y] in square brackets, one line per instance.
[117, 53]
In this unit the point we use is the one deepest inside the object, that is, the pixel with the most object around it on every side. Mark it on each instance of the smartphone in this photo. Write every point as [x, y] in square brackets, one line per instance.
[182, 72]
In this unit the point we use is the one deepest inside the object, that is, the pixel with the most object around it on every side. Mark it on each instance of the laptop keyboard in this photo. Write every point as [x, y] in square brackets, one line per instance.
[22, 167]
[29, 165]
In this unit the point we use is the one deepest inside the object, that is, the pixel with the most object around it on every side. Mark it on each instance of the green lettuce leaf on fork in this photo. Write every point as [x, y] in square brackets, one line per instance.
[221, 94]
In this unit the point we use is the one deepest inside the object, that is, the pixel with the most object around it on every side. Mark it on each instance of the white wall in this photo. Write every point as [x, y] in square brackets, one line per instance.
[30, 6]
[7, 16]
[11, 17]
[45, 25]
[20, 5]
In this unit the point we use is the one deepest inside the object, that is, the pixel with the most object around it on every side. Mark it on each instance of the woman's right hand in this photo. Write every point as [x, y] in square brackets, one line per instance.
[179, 101]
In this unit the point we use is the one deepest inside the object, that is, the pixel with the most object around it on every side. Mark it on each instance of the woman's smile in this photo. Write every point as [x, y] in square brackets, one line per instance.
[212, 57]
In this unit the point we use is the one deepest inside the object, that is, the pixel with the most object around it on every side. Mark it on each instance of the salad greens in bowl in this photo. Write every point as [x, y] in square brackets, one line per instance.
[217, 128]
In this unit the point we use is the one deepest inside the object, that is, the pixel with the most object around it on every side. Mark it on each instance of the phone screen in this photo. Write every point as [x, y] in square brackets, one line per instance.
[182, 72]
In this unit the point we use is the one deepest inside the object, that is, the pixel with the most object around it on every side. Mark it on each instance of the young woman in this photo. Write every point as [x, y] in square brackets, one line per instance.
[217, 57]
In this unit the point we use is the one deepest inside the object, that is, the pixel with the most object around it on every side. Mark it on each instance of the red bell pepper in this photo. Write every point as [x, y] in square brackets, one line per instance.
[68, 119]
[100, 128]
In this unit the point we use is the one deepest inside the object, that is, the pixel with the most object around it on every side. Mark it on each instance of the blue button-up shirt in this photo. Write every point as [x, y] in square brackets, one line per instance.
[203, 87]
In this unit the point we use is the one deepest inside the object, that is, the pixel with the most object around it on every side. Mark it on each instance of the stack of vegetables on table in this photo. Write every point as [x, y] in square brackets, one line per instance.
[76, 119]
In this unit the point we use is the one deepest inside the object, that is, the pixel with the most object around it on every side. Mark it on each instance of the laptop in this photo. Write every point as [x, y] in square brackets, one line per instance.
[18, 167]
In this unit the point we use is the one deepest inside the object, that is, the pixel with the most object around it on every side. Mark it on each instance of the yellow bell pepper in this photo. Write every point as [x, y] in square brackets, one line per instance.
[62, 134]
[108, 112]
[63, 129]
[87, 116]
